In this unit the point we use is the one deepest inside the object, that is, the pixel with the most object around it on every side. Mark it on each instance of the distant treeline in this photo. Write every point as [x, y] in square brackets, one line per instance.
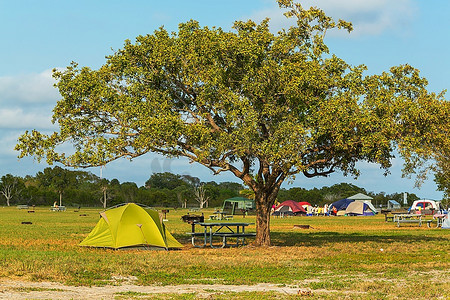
[81, 188]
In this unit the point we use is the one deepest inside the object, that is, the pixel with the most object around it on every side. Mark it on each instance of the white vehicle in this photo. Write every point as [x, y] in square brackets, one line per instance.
[426, 205]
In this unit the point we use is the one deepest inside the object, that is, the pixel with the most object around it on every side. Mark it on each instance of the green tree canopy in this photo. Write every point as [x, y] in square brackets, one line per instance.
[165, 180]
[10, 186]
[58, 179]
[261, 105]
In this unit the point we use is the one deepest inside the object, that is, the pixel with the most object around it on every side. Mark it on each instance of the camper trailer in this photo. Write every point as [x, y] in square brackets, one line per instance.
[425, 207]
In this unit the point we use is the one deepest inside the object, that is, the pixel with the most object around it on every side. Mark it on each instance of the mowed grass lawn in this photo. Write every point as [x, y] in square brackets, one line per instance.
[337, 257]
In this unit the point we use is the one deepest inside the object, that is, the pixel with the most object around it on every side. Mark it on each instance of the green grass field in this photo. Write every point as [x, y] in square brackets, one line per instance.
[338, 257]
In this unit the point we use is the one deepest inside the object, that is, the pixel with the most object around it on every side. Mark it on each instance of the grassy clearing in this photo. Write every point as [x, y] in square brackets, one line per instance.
[339, 256]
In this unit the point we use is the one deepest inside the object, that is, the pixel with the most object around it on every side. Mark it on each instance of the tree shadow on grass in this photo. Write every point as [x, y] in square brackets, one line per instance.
[318, 239]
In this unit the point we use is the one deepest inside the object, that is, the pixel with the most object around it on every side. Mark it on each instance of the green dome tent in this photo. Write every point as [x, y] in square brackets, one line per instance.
[130, 225]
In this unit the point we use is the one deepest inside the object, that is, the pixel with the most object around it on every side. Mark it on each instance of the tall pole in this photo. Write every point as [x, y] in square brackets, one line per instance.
[102, 187]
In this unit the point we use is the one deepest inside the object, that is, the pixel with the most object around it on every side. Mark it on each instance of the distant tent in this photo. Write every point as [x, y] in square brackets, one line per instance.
[304, 204]
[392, 204]
[361, 197]
[128, 226]
[340, 204]
[358, 208]
[240, 203]
[290, 208]
[371, 206]
[446, 222]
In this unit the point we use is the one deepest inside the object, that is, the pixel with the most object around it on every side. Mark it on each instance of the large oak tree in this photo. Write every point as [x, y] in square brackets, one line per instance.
[263, 106]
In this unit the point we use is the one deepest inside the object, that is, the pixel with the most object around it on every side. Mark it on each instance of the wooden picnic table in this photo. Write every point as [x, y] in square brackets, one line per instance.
[223, 230]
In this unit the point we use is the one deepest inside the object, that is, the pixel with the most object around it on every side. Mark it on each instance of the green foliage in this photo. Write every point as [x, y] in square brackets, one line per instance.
[87, 190]
[62, 180]
[82, 188]
[11, 188]
[313, 196]
[165, 181]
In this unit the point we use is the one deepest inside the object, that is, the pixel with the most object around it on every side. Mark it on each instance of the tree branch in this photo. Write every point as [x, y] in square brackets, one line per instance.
[319, 173]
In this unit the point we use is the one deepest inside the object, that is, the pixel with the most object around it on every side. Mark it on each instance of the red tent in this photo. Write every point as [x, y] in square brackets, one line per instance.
[304, 203]
[289, 207]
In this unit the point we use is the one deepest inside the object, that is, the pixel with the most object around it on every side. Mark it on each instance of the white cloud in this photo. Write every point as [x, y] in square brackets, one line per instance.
[8, 140]
[28, 88]
[17, 118]
[369, 17]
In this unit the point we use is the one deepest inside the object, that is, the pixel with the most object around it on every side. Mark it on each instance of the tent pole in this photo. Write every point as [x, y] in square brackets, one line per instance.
[140, 227]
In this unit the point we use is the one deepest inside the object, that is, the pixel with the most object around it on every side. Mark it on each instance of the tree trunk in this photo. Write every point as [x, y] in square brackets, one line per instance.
[264, 204]
[60, 198]
[200, 195]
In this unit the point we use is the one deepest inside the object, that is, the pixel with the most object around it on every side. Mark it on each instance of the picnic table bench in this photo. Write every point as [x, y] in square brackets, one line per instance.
[240, 238]
[58, 208]
[220, 215]
[222, 230]
[388, 218]
[408, 218]
[215, 217]
[22, 206]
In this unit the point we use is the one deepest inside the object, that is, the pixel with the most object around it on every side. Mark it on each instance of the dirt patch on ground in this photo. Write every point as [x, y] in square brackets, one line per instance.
[11, 289]
[124, 287]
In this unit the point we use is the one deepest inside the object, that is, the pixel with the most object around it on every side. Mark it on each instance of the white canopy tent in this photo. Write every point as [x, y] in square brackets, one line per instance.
[361, 197]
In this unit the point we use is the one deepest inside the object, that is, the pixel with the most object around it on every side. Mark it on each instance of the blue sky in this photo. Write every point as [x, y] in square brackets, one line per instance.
[37, 36]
